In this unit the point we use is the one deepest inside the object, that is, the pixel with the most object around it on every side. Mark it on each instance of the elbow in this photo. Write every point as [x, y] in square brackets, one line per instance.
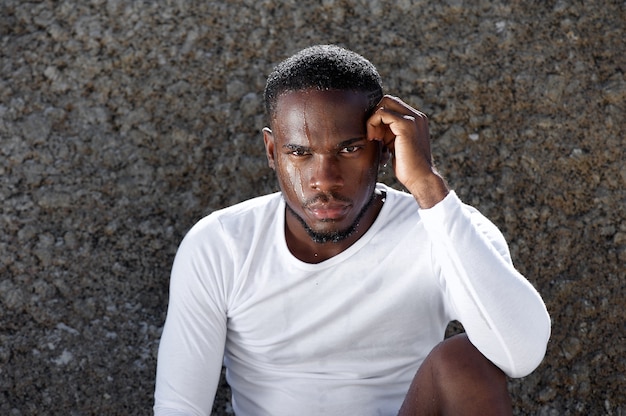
[532, 351]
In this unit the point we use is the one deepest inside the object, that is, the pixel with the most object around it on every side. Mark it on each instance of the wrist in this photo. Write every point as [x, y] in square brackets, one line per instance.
[429, 191]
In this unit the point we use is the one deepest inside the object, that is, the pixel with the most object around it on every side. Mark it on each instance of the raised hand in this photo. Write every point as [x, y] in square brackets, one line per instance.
[404, 132]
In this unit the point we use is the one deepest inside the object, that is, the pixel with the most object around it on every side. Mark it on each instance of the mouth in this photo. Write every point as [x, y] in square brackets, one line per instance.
[329, 212]
[324, 208]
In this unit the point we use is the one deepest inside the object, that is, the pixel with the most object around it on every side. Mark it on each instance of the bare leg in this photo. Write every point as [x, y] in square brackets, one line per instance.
[456, 379]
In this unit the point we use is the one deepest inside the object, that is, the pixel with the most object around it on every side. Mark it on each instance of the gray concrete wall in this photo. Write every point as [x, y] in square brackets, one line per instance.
[123, 122]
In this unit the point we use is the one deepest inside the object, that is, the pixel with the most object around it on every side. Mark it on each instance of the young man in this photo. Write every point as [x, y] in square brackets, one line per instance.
[332, 296]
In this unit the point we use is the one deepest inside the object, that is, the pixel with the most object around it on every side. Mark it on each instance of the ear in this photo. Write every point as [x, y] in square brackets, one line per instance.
[268, 139]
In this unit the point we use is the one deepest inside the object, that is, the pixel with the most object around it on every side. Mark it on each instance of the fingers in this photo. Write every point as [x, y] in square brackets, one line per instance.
[378, 126]
[394, 118]
[396, 104]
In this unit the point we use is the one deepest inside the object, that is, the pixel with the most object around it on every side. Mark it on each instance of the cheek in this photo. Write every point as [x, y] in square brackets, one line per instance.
[368, 171]
[366, 181]
[369, 177]
[293, 179]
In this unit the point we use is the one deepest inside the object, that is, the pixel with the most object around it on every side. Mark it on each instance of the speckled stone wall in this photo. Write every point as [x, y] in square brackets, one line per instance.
[123, 122]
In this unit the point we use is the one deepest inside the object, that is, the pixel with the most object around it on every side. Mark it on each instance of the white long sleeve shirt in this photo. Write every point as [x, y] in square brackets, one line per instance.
[347, 335]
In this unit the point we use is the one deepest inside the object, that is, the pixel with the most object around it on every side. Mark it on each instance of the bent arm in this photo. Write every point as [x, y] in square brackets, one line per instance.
[503, 315]
[192, 345]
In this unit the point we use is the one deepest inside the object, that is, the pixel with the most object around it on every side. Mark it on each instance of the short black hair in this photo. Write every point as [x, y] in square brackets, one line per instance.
[323, 67]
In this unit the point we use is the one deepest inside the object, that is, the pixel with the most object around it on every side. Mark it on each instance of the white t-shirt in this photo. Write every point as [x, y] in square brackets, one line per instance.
[347, 335]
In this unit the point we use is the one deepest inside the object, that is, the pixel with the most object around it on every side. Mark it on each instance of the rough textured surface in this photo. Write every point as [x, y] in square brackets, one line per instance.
[123, 122]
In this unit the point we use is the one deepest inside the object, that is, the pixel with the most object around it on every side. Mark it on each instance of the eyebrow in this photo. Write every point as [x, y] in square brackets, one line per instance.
[291, 146]
[340, 145]
[348, 142]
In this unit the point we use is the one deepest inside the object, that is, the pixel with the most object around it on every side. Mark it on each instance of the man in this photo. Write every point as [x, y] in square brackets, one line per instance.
[332, 296]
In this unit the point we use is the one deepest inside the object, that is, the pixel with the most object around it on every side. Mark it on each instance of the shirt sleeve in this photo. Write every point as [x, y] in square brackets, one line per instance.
[502, 313]
[192, 344]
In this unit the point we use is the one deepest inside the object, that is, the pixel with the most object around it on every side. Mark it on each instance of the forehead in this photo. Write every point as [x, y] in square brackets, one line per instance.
[315, 109]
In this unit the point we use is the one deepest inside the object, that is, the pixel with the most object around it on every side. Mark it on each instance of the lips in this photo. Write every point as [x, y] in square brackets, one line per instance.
[329, 211]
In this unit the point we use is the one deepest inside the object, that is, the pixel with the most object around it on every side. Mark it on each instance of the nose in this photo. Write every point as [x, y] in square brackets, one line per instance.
[326, 174]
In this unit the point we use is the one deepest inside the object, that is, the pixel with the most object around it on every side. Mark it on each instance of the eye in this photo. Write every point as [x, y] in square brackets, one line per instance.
[351, 149]
[298, 151]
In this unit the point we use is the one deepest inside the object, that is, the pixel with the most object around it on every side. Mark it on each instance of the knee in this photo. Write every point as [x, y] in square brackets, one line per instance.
[461, 371]
[457, 355]
[457, 379]
[450, 354]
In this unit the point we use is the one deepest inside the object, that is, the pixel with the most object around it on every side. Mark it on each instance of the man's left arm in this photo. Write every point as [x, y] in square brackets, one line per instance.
[504, 316]
[502, 313]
